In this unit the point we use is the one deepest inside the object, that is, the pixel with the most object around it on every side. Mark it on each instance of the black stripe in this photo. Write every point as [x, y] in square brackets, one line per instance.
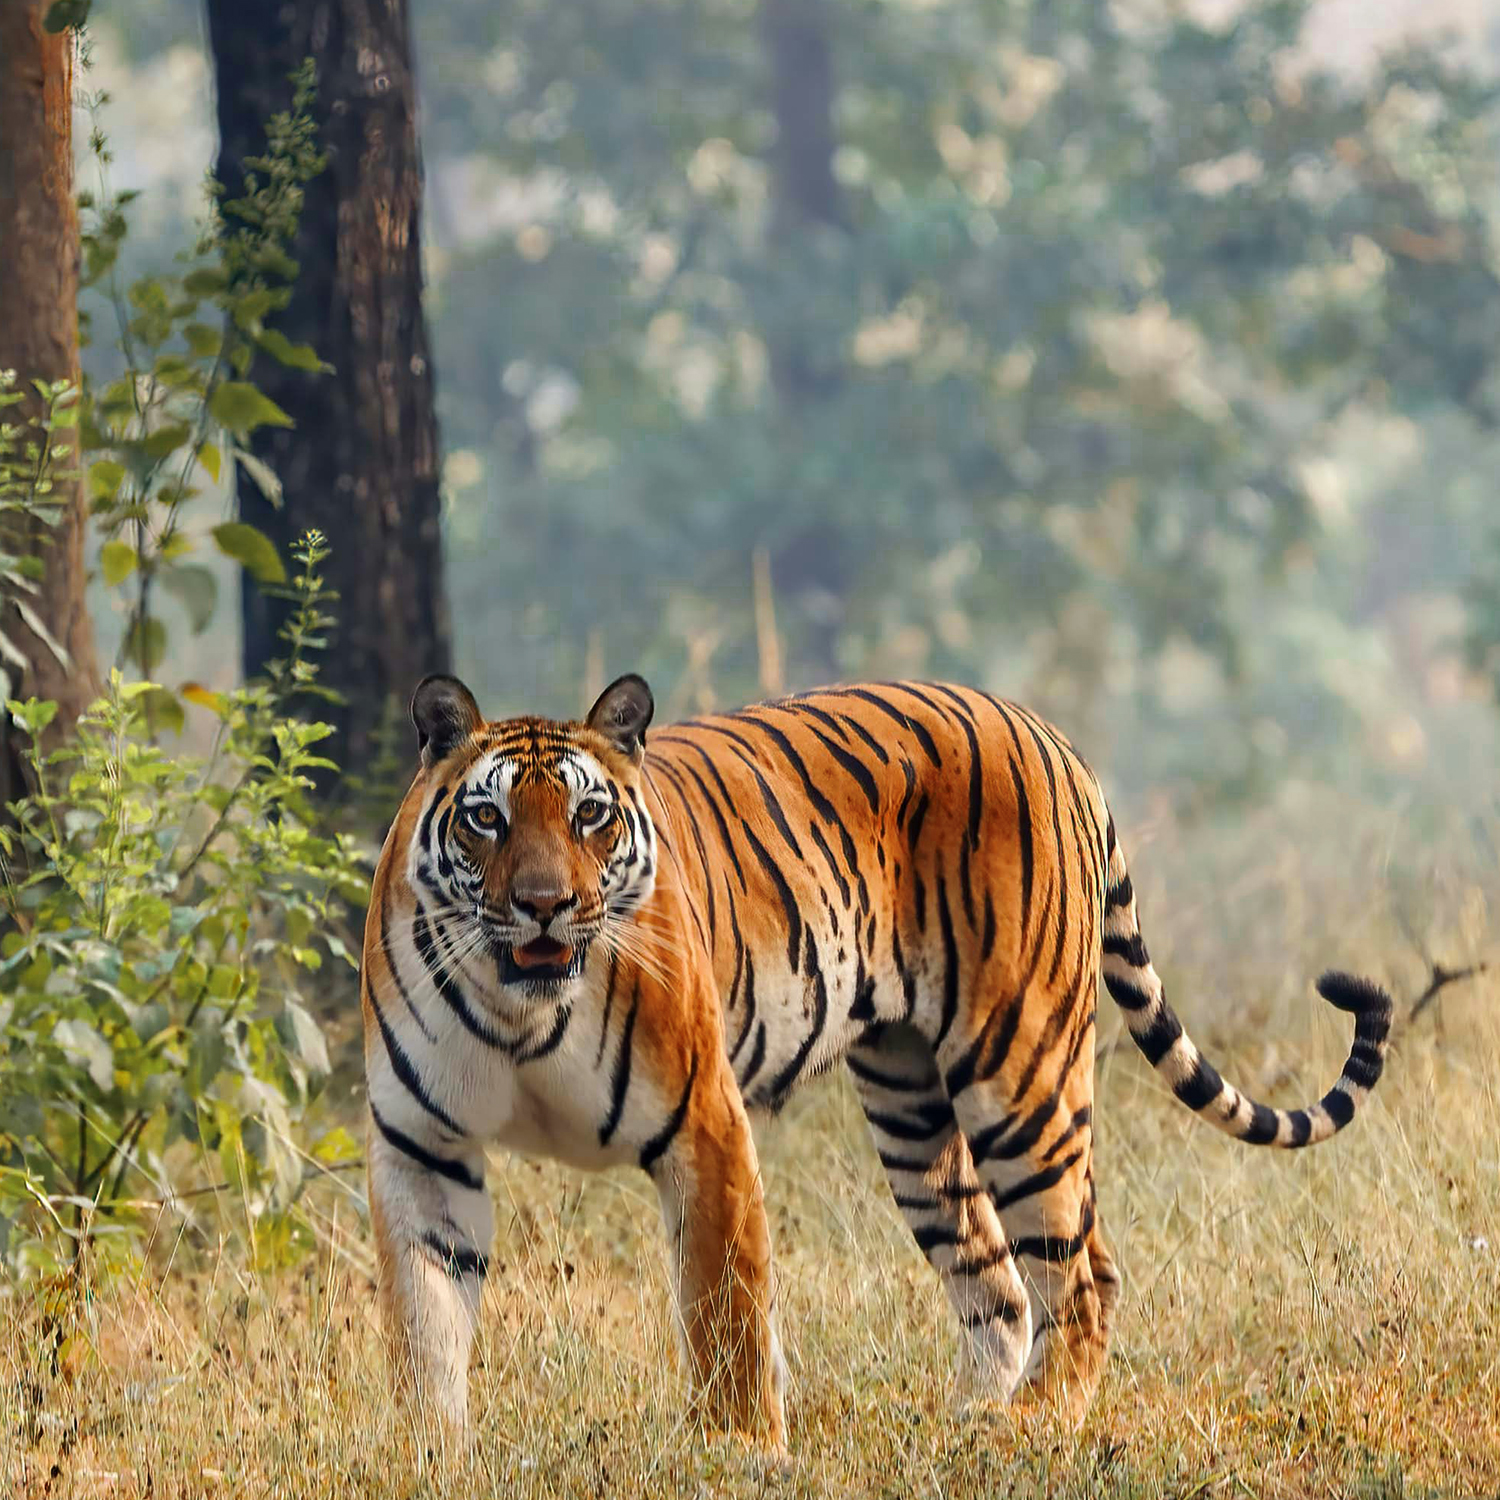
[1261, 1130]
[1080, 1121]
[918, 817]
[930, 1237]
[457, 1260]
[609, 1004]
[1301, 1127]
[1160, 1035]
[1028, 848]
[797, 706]
[1365, 1065]
[876, 1079]
[405, 1069]
[1128, 997]
[1132, 948]
[385, 944]
[757, 1056]
[908, 979]
[783, 890]
[965, 718]
[454, 1171]
[1057, 836]
[1339, 1107]
[1121, 893]
[425, 937]
[856, 768]
[893, 1163]
[987, 942]
[876, 748]
[664, 1137]
[714, 808]
[833, 869]
[749, 1001]
[551, 1042]
[950, 963]
[1201, 1087]
[789, 1074]
[932, 1118]
[620, 1077]
[697, 833]
[909, 772]
[925, 739]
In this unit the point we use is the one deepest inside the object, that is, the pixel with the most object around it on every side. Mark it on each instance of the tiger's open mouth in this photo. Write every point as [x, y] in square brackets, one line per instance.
[540, 963]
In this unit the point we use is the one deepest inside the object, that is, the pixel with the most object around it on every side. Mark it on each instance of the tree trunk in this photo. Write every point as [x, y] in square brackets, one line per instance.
[805, 196]
[39, 340]
[809, 224]
[362, 462]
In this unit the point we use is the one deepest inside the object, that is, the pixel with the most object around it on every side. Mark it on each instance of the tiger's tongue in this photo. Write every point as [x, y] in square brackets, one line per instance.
[542, 950]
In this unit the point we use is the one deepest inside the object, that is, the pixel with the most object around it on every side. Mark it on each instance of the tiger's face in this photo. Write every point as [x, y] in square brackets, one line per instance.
[534, 834]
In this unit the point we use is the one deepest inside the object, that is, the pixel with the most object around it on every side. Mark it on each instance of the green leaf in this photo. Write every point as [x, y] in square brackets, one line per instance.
[206, 281]
[196, 589]
[252, 549]
[146, 644]
[241, 408]
[165, 441]
[105, 478]
[263, 475]
[211, 459]
[251, 307]
[164, 710]
[117, 561]
[303, 1037]
[203, 339]
[85, 1048]
[284, 351]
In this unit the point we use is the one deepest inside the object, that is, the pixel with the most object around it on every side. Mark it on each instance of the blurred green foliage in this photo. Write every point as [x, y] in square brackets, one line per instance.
[181, 401]
[163, 912]
[1140, 367]
[1096, 292]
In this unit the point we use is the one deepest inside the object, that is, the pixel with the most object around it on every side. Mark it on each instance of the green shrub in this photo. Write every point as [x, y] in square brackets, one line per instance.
[153, 1038]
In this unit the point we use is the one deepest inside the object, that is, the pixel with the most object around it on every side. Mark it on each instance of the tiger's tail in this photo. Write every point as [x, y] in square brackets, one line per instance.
[1137, 989]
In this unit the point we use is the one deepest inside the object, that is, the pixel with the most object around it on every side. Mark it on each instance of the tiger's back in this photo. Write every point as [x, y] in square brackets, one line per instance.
[920, 880]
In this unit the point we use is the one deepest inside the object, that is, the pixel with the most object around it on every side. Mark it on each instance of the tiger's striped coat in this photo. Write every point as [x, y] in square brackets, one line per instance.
[582, 948]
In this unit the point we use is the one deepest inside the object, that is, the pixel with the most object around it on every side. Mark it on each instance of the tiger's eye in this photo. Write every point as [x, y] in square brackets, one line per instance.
[591, 810]
[485, 815]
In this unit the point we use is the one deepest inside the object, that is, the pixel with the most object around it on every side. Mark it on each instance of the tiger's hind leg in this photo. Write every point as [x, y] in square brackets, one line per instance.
[1035, 1156]
[932, 1178]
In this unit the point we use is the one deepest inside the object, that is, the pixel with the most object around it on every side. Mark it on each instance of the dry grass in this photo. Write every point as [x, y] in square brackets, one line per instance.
[1321, 1324]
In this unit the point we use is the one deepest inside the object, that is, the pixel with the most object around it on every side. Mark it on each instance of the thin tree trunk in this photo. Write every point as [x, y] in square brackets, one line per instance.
[39, 340]
[362, 462]
[806, 363]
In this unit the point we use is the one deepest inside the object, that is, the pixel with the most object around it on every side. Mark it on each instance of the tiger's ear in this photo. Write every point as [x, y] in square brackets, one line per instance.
[445, 714]
[622, 713]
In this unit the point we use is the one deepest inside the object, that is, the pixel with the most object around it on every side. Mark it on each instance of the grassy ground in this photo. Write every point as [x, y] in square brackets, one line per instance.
[1320, 1324]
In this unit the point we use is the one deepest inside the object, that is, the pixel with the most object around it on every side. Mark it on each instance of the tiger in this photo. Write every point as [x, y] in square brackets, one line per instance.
[580, 948]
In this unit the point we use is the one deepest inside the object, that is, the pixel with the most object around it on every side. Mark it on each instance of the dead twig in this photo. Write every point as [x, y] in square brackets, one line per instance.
[1442, 977]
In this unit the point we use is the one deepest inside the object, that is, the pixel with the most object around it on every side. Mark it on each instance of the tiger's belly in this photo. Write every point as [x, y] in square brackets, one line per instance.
[783, 1027]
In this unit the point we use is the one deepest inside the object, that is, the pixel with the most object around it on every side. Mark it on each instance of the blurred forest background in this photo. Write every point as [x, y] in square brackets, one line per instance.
[1136, 360]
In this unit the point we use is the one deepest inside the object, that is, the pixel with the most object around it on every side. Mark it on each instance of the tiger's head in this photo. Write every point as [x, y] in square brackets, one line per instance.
[532, 830]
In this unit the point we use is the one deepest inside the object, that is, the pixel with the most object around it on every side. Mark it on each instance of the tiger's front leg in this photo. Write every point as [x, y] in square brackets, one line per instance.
[708, 1177]
[433, 1224]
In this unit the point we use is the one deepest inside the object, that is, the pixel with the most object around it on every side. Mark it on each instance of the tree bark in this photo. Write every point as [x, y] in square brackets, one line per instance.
[39, 340]
[362, 462]
[805, 196]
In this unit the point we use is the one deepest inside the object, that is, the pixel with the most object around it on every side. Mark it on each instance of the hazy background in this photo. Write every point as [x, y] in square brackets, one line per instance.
[1090, 365]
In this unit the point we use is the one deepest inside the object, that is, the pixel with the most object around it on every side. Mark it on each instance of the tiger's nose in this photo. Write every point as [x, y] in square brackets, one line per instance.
[540, 904]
